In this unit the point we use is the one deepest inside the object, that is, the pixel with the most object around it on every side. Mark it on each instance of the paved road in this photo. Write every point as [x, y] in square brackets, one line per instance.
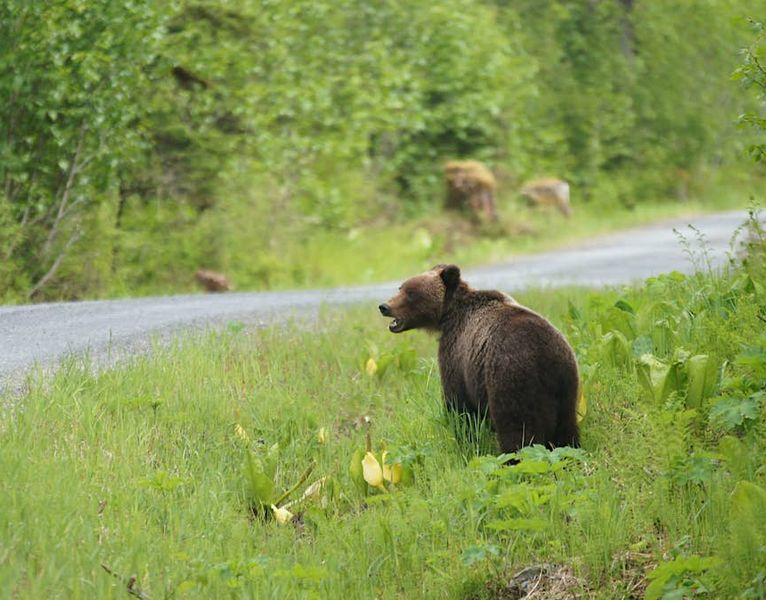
[44, 333]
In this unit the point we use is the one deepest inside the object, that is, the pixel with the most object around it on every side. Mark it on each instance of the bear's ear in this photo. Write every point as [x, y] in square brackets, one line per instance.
[450, 275]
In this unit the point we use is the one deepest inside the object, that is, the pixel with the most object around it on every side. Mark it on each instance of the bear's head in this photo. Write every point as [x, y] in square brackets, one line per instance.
[421, 300]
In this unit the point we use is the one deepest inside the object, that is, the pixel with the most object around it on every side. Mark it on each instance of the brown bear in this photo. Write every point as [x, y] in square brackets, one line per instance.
[495, 356]
[548, 192]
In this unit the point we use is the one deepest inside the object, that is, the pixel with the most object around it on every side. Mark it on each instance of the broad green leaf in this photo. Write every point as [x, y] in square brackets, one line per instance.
[616, 319]
[532, 467]
[567, 454]
[676, 567]
[624, 306]
[475, 554]
[702, 374]
[261, 486]
[519, 497]
[695, 469]
[655, 376]
[615, 348]
[535, 452]
[643, 344]
[734, 412]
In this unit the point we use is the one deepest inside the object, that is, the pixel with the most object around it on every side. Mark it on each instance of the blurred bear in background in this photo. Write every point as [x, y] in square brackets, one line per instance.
[548, 192]
[470, 185]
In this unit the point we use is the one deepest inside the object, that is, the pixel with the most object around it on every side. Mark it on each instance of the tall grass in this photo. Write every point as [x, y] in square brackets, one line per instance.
[133, 479]
[291, 253]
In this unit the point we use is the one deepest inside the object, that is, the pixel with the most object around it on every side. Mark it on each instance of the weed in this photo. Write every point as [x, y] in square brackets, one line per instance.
[158, 466]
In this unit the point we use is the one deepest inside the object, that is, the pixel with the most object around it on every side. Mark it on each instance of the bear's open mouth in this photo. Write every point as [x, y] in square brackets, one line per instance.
[395, 326]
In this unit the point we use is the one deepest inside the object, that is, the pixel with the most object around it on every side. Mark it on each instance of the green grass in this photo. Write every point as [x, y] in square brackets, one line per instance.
[393, 251]
[294, 254]
[141, 467]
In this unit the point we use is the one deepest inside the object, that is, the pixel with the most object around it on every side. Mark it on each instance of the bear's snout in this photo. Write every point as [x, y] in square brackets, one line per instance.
[397, 324]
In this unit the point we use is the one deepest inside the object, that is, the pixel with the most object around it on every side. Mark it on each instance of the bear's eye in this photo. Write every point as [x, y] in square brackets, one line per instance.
[410, 295]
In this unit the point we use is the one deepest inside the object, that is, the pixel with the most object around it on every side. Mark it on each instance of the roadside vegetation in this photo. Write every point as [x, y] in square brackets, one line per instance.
[317, 460]
[231, 464]
[276, 142]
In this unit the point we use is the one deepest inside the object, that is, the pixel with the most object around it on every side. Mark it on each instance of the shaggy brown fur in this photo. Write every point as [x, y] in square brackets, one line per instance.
[548, 192]
[495, 356]
[470, 185]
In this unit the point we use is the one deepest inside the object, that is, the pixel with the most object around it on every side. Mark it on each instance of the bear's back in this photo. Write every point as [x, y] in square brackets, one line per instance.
[503, 331]
[500, 348]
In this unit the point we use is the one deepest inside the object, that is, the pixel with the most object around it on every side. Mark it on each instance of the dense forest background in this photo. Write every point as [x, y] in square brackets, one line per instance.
[142, 140]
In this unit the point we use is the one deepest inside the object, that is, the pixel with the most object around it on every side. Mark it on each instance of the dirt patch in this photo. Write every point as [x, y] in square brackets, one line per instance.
[634, 567]
[539, 582]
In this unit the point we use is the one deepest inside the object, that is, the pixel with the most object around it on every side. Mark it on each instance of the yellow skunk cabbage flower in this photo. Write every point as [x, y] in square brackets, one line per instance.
[372, 472]
[240, 432]
[322, 435]
[371, 367]
[392, 473]
[582, 405]
[282, 515]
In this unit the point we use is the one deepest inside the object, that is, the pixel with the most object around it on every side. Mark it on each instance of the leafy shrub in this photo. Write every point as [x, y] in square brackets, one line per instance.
[743, 397]
[142, 139]
[679, 578]
[530, 495]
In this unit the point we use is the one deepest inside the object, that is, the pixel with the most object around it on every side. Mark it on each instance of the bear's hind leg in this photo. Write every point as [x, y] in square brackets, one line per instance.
[512, 439]
[567, 434]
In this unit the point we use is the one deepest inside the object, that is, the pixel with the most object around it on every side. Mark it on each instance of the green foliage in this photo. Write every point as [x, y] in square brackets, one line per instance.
[480, 554]
[745, 549]
[402, 358]
[743, 397]
[468, 81]
[259, 475]
[634, 336]
[752, 75]
[73, 75]
[677, 98]
[163, 482]
[584, 113]
[693, 377]
[166, 466]
[679, 578]
[736, 413]
[143, 141]
[696, 469]
[516, 497]
[383, 471]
